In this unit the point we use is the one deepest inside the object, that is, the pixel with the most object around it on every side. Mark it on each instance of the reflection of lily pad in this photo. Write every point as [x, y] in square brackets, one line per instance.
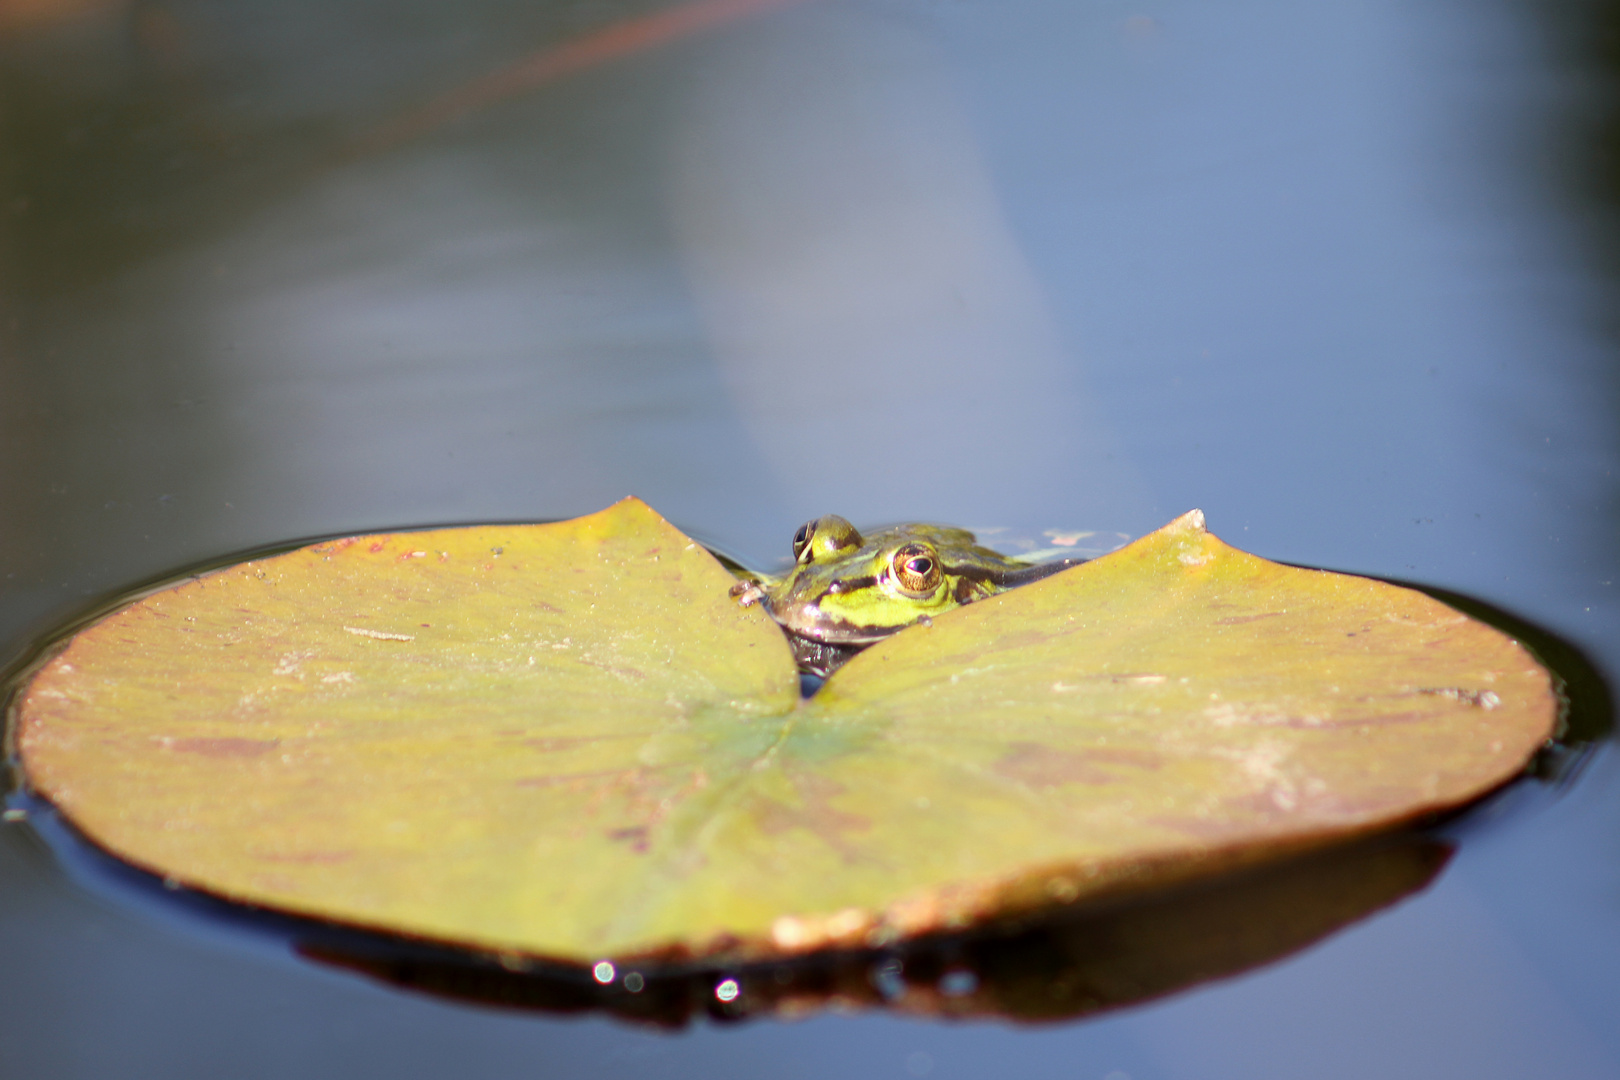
[565, 741]
[1069, 965]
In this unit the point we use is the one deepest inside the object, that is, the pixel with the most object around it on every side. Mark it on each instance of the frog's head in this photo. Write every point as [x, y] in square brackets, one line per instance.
[849, 589]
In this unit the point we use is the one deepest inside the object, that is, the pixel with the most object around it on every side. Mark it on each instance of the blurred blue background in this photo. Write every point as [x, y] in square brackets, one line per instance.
[1342, 275]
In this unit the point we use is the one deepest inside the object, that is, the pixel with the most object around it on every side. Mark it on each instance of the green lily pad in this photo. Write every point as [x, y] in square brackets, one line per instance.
[566, 742]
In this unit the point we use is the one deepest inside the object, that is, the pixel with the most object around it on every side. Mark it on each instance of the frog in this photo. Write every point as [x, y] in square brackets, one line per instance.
[847, 590]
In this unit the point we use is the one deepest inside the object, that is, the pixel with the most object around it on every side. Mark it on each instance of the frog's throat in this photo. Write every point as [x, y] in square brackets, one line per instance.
[821, 658]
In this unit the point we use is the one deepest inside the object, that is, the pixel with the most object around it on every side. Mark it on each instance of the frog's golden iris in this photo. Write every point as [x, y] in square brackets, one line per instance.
[846, 591]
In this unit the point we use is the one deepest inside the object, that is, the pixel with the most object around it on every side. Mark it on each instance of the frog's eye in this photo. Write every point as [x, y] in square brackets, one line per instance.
[916, 568]
[822, 537]
[801, 541]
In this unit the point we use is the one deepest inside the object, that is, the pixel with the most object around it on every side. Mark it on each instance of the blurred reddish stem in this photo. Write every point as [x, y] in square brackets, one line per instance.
[613, 42]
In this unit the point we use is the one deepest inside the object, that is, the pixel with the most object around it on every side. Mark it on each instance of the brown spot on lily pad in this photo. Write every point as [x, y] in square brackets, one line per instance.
[1043, 767]
[223, 747]
[310, 858]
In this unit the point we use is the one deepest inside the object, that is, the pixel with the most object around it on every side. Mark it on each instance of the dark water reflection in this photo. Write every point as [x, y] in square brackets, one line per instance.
[1061, 968]
[1339, 274]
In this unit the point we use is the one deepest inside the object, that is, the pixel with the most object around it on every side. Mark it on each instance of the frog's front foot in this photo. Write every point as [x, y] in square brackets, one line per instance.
[747, 592]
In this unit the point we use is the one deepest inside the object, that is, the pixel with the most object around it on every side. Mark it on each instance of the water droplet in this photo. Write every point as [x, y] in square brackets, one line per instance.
[887, 978]
[728, 990]
[603, 972]
[633, 982]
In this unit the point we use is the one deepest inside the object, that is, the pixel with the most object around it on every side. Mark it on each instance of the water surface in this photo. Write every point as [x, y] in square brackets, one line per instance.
[1340, 275]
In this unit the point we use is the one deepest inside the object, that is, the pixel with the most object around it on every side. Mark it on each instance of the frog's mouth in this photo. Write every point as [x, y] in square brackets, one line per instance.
[830, 630]
[819, 656]
[840, 632]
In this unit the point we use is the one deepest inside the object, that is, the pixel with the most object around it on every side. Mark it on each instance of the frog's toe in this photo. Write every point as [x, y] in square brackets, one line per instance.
[747, 593]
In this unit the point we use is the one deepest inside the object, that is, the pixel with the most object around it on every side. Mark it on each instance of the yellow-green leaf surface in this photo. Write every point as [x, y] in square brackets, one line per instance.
[566, 741]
